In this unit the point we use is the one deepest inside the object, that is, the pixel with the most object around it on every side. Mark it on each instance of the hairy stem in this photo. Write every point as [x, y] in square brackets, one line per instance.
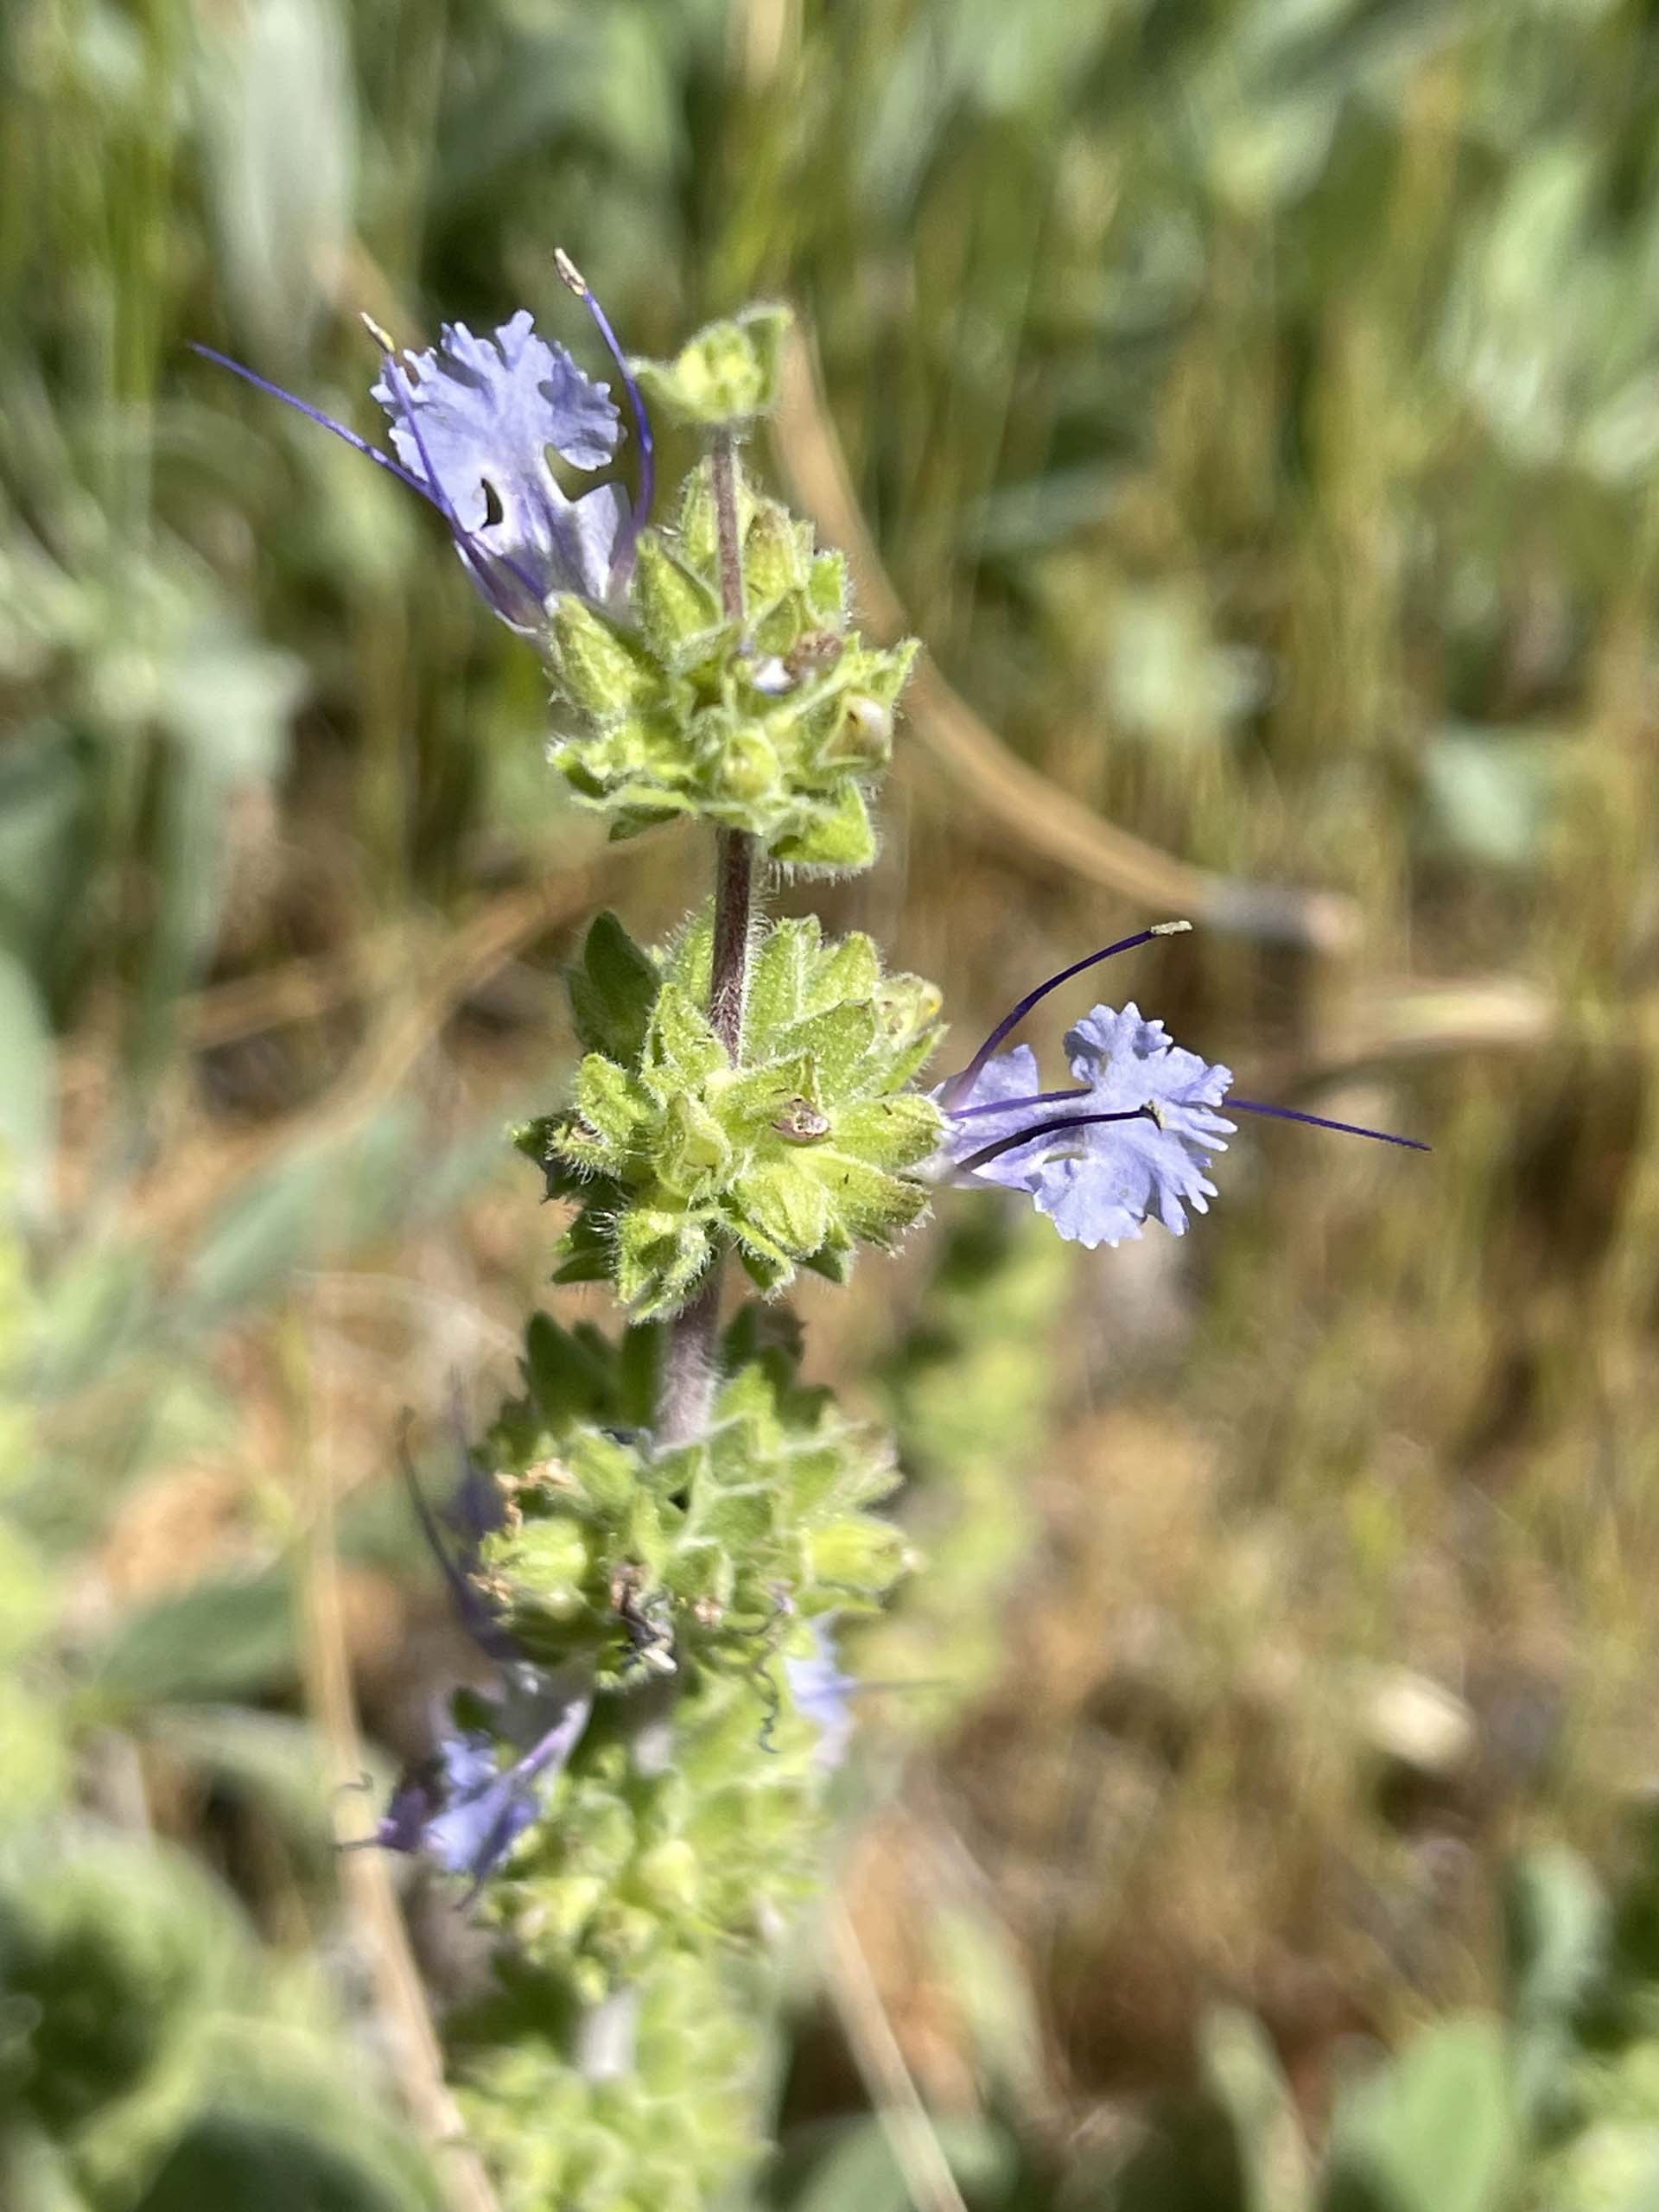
[722, 462]
[687, 1383]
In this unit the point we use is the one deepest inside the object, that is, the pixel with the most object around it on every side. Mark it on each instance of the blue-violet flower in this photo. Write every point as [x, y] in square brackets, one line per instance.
[473, 420]
[1131, 1144]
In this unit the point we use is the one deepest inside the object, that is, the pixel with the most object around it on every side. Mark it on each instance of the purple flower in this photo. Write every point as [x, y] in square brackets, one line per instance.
[1131, 1144]
[463, 1809]
[473, 420]
[823, 1693]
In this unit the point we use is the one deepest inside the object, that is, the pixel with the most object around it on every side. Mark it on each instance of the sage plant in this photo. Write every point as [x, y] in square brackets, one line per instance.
[658, 1541]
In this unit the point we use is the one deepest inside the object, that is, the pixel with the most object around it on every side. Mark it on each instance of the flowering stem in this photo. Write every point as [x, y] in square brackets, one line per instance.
[687, 1384]
[1015, 1105]
[722, 462]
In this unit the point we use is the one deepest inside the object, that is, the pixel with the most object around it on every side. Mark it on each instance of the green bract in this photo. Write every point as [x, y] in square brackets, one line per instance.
[770, 726]
[794, 1158]
[725, 375]
[669, 2132]
[704, 1536]
[699, 1563]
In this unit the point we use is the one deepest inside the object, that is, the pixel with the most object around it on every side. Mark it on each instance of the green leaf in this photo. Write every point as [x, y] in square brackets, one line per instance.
[778, 977]
[682, 1049]
[727, 373]
[692, 1146]
[839, 1045]
[679, 613]
[607, 1101]
[568, 1377]
[890, 1133]
[606, 1474]
[866, 1202]
[840, 838]
[229, 1636]
[613, 991]
[1557, 1925]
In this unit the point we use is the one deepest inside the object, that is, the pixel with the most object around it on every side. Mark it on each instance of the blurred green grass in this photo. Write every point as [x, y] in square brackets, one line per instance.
[1256, 407]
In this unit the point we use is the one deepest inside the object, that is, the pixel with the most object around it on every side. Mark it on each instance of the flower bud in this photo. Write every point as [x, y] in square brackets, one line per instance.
[727, 375]
[862, 736]
[802, 1122]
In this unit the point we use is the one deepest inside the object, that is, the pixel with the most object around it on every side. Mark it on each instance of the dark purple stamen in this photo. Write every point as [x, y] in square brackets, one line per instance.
[1318, 1121]
[477, 1617]
[570, 275]
[1061, 1122]
[1016, 1105]
[1244, 1106]
[432, 491]
[955, 1085]
[315, 414]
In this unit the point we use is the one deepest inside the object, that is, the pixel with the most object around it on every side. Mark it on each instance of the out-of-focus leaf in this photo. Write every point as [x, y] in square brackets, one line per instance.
[1490, 793]
[855, 2171]
[41, 795]
[281, 129]
[1433, 2129]
[1243, 2073]
[315, 1201]
[1556, 1921]
[226, 1638]
[232, 2155]
[37, 2174]
[27, 1087]
[269, 1755]
[987, 1981]
[229, 700]
[1166, 679]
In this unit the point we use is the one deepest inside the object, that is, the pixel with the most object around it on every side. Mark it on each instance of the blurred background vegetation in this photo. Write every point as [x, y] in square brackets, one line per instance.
[1254, 407]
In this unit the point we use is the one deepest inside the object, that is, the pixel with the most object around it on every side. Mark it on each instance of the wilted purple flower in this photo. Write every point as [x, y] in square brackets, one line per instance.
[471, 423]
[464, 1810]
[460, 1807]
[1131, 1144]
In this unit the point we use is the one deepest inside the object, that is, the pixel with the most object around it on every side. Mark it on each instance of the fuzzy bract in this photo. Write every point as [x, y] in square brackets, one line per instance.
[793, 1158]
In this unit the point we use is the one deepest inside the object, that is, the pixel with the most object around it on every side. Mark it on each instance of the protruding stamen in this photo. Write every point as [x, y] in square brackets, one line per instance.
[1319, 1121]
[315, 415]
[572, 277]
[474, 1613]
[1016, 1105]
[1060, 1122]
[957, 1084]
